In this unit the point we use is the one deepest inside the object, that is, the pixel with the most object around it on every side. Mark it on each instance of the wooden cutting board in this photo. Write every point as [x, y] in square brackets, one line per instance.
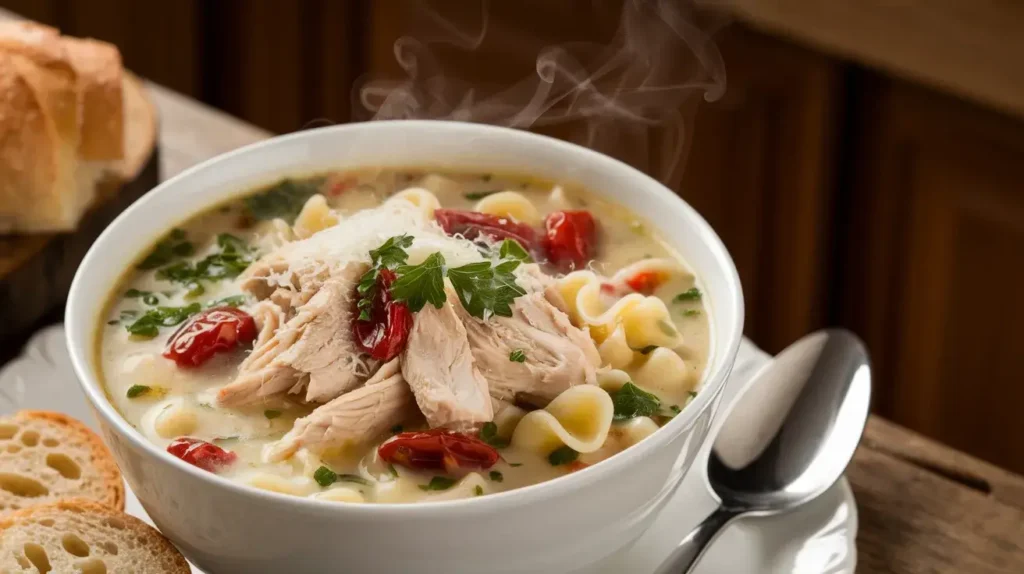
[36, 270]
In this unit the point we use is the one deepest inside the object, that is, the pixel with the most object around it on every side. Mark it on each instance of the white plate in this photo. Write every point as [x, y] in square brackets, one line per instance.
[817, 539]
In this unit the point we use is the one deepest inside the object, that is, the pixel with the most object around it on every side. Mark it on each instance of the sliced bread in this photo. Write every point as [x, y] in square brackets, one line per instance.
[84, 537]
[45, 457]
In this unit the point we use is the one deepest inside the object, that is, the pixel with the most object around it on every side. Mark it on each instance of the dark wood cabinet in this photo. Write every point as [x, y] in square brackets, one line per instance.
[935, 267]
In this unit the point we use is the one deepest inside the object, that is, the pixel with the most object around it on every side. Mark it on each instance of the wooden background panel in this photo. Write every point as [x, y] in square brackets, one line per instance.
[936, 262]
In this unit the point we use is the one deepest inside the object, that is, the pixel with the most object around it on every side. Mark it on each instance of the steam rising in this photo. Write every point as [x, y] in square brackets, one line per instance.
[629, 97]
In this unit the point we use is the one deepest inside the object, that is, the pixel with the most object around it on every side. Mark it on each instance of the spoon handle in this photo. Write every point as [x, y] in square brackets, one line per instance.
[685, 556]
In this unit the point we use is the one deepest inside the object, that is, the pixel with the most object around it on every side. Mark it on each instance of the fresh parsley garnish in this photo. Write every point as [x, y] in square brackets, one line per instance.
[233, 258]
[353, 478]
[486, 288]
[675, 409]
[489, 434]
[392, 471]
[517, 356]
[515, 464]
[692, 394]
[137, 391]
[168, 249]
[511, 249]
[691, 294]
[420, 284]
[271, 414]
[438, 483]
[232, 301]
[325, 476]
[390, 255]
[691, 312]
[497, 476]
[562, 455]
[149, 324]
[475, 195]
[631, 401]
[478, 490]
[283, 199]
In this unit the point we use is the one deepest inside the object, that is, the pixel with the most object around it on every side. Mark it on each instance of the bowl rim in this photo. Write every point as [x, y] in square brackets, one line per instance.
[82, 354]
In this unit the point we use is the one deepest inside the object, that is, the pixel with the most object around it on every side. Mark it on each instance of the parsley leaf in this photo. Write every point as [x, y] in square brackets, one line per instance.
[475, 195]
[137, 391]
[149, 324]
[478, 490]
[631, 401]
[517, 356]
[511, 249]
[271, 414]
[420, 284]
[515, 464]
[325, 476]
[692, 294]
[390, 255]
[234, 257]
[675, 409]
[486, 289]
[497, 476]
[167, 250]
[691, 312]
[439, 483]
[562, 455]
[232, 301]
[283, 199]
[489, 434]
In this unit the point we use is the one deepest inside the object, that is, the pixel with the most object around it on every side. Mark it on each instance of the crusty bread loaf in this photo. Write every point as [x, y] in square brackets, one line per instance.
[71, 92]
[46, 457]
[85, 537]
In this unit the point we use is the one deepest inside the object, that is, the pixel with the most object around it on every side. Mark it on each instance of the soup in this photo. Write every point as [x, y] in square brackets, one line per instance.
[400, 336]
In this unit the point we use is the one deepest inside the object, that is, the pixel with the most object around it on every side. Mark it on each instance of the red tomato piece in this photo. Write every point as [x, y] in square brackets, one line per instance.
[210, 332]
[576, 465]
[206, 456]
[472, 224]
[438, 449]
[569, 238]
[646, 281]
[337, 186]
[384, 335]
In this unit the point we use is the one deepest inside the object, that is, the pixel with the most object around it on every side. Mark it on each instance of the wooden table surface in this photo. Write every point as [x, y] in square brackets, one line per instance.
[923, 507]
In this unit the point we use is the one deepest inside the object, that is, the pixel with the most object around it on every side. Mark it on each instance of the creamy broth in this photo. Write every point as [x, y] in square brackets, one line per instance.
[165, 401]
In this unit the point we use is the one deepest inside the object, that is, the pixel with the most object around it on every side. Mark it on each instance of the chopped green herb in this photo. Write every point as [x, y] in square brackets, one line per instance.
[675, 409]
[232, 301]
[396, 429]
[517, 356]
[631, 401]
[637, 227]
[692, 294]
[271, 414]
[392, 470]
[135, 293]
[486, 289]
[562, 455]
[515, 464]
[693, 394]
[283, 199]
[438, 483]
[497, 476]
[475, 195]
[353, 478]
[420, 284]
[325, 476]
[167, 250]
[136, 391]
[691, 312]
[648, 349]
[149, 324]
[390, 255]
[489, 434]
[231, 244]
[486, 177]
[233, 258]
[478, 490]
[511, 249]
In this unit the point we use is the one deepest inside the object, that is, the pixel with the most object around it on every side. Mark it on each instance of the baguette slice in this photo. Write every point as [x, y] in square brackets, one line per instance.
[46, 457]
[84, 537]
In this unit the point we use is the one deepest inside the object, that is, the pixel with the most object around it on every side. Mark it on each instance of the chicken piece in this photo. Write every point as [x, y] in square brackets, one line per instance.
[312, 350]
[438, 365]
[558, 355]
[357, 417]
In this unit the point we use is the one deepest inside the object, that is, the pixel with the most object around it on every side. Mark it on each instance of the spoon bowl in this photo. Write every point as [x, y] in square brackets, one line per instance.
[788, 437]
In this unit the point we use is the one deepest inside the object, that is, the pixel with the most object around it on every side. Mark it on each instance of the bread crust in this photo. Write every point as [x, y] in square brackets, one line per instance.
[163, 547]
[100, 72]
[101, 458]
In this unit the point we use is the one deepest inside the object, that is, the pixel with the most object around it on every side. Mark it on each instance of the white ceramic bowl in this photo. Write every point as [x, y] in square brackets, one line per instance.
[556, 526]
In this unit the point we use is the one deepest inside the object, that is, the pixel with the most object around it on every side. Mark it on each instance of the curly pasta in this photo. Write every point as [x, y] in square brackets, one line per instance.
[579, 418]
[421, 198]
[510, 204]
[315, 216]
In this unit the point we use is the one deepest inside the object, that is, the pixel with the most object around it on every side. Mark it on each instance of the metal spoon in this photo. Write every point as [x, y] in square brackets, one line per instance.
[788, 437]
